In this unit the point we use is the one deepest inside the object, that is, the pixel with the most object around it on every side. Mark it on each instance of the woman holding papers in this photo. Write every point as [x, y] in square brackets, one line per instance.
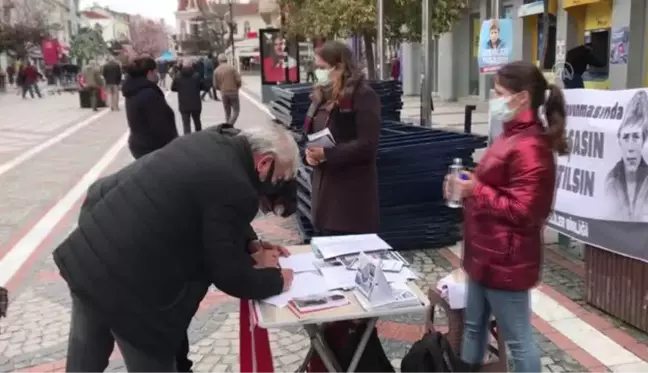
[345, 186]
[506, 202]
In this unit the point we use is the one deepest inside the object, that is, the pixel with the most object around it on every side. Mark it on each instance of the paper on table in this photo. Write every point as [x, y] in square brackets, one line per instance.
[403, 276]
[334, 246]
[299, 262]
[338, 277]
[342, 278]
[306, 283]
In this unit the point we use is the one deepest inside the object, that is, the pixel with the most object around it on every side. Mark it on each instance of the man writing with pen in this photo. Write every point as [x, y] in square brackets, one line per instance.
[153, 236]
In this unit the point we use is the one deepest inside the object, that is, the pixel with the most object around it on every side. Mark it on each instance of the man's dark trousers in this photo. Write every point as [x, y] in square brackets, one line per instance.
[187, 117]
[91, 343]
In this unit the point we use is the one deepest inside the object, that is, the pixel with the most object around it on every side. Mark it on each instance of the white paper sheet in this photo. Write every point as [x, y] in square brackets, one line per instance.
[334, 246]
[306, 283]
[403, 276]
[342, 278]
[338, 277]
[299, 262]
[454, 289]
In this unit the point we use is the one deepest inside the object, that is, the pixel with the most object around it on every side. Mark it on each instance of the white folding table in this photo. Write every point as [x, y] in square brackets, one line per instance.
[270, 317]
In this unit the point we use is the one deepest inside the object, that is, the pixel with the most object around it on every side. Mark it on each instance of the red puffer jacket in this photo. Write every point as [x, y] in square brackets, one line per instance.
[504, 219]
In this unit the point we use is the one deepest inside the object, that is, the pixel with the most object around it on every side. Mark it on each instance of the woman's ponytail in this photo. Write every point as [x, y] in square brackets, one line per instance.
[555, 112]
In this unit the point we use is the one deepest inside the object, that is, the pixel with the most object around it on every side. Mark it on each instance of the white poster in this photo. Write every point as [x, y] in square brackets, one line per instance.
[602, 185]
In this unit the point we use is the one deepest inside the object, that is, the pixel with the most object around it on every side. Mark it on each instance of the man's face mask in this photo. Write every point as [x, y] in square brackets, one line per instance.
[284, 202]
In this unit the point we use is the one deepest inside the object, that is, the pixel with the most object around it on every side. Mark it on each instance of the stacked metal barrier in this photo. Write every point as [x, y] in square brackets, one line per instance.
[292, 101]
[412, 163]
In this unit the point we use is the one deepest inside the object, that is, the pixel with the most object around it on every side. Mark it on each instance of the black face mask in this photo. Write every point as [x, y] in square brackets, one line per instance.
[281, 194]
[284, 201]
[268, 187]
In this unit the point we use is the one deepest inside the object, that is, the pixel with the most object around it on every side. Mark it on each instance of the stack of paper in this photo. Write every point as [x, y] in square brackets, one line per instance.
[401, 297]
[299, 262]
[336, 246]
[321, 139]
[373, 290]
[304, 284]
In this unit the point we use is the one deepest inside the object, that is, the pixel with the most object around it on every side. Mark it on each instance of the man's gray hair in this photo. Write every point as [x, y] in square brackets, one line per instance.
[272, 138]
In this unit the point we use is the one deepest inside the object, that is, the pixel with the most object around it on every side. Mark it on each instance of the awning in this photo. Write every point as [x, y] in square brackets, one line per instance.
[573, 3]
[530, 9]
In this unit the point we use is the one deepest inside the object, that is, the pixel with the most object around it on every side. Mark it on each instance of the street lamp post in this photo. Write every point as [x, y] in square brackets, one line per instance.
[426, 84]
[380, 43]
[231, 34]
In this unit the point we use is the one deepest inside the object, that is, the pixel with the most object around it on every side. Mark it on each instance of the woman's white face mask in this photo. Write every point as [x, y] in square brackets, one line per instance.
[322, 75]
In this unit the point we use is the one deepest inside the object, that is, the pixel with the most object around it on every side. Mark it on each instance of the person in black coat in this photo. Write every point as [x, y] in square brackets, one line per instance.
[189, 84]
[150, 118]
[154, 235]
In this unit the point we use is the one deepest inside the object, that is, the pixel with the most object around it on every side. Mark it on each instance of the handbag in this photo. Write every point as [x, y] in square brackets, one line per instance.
[4, 301]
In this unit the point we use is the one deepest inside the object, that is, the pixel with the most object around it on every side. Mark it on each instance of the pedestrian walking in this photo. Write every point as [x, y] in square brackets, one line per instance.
[30, 77]
[228, 81]
[11, 74]
[188, 85]
[3, 80]
[208, 76]
[310, 71]
[163, 69]
[93, 82]
[112, 74]
[150, 118]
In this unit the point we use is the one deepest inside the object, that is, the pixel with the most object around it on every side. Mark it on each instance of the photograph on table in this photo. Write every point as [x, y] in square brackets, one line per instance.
[390, 256]
[320, 302]
[279, 57]
[365, 279]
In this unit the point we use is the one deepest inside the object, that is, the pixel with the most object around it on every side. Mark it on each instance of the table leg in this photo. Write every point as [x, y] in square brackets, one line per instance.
[304, 365]
[318, 344]
[362, 345]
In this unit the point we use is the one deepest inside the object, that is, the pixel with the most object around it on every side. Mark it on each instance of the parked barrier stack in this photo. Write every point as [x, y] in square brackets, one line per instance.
[412, 163]
[292, 101]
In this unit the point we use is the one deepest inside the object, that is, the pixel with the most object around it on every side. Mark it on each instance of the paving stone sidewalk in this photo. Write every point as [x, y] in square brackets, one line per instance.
[34, 336]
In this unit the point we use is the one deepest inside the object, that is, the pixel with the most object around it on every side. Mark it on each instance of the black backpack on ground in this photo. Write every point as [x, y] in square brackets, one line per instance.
[343, 338]
[433, 353]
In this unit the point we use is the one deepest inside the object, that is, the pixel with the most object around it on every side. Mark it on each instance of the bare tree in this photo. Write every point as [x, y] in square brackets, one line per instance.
[24, 26]
[209, 37]
[148, 36]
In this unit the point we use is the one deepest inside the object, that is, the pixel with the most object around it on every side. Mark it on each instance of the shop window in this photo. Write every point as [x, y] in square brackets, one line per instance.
[507, 11]
[550, 57]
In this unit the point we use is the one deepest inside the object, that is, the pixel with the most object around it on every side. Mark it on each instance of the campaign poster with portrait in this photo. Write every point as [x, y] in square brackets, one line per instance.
[495, 44]
[602, 185]
[279, 58]
[619, 46]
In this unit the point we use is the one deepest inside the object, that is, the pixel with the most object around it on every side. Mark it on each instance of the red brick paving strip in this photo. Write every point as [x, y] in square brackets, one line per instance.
[583, 357]
[613, 332]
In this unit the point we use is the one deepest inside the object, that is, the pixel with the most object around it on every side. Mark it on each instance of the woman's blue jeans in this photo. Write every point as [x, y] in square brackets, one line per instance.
[512, 310]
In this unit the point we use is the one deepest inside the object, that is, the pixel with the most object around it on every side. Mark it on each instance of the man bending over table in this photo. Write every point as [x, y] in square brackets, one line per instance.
[155, 234]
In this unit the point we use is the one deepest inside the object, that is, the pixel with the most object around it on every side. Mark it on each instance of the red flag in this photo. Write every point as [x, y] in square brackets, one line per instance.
[50, 49]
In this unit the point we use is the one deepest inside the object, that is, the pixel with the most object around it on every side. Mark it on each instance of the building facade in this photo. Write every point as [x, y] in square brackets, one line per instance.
[113, 25]
[456, 74]
[59, 16]
[246, 19]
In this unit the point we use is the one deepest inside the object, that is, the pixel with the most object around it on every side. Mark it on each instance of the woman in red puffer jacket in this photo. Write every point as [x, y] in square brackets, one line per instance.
[506, 203]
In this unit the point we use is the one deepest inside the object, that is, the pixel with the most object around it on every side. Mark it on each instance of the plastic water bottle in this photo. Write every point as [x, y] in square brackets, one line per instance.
[455, 169]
